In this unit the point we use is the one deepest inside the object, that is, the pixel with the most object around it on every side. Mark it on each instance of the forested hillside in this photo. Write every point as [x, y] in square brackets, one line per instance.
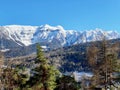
[72, 58]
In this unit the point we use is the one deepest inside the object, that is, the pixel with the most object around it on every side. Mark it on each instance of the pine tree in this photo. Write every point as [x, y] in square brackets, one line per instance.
[14, 78]
[44, 74]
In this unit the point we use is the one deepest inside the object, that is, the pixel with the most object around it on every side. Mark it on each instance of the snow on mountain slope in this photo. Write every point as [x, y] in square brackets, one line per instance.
[27, 35]
[19, 33]
[49, 34]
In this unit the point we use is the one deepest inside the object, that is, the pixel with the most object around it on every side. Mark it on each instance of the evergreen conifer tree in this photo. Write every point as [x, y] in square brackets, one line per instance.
[44, 74]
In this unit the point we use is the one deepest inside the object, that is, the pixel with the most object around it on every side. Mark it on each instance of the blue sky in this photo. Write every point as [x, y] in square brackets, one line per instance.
[71, 14]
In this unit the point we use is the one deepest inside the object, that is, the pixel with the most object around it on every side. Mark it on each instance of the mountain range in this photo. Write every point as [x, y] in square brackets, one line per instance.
[50, 36]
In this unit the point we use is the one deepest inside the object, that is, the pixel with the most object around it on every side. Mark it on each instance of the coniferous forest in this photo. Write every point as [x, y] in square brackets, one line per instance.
[100, 58]
[59, 44]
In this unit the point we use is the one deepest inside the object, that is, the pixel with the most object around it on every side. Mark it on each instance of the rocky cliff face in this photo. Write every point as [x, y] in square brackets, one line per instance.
[12, 36]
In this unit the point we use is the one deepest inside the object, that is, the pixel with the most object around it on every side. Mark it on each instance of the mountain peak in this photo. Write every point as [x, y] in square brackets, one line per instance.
[27, 35]
[48, 27]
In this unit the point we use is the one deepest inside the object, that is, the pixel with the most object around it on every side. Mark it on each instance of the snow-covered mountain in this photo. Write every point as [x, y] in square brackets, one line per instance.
[26, 35]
